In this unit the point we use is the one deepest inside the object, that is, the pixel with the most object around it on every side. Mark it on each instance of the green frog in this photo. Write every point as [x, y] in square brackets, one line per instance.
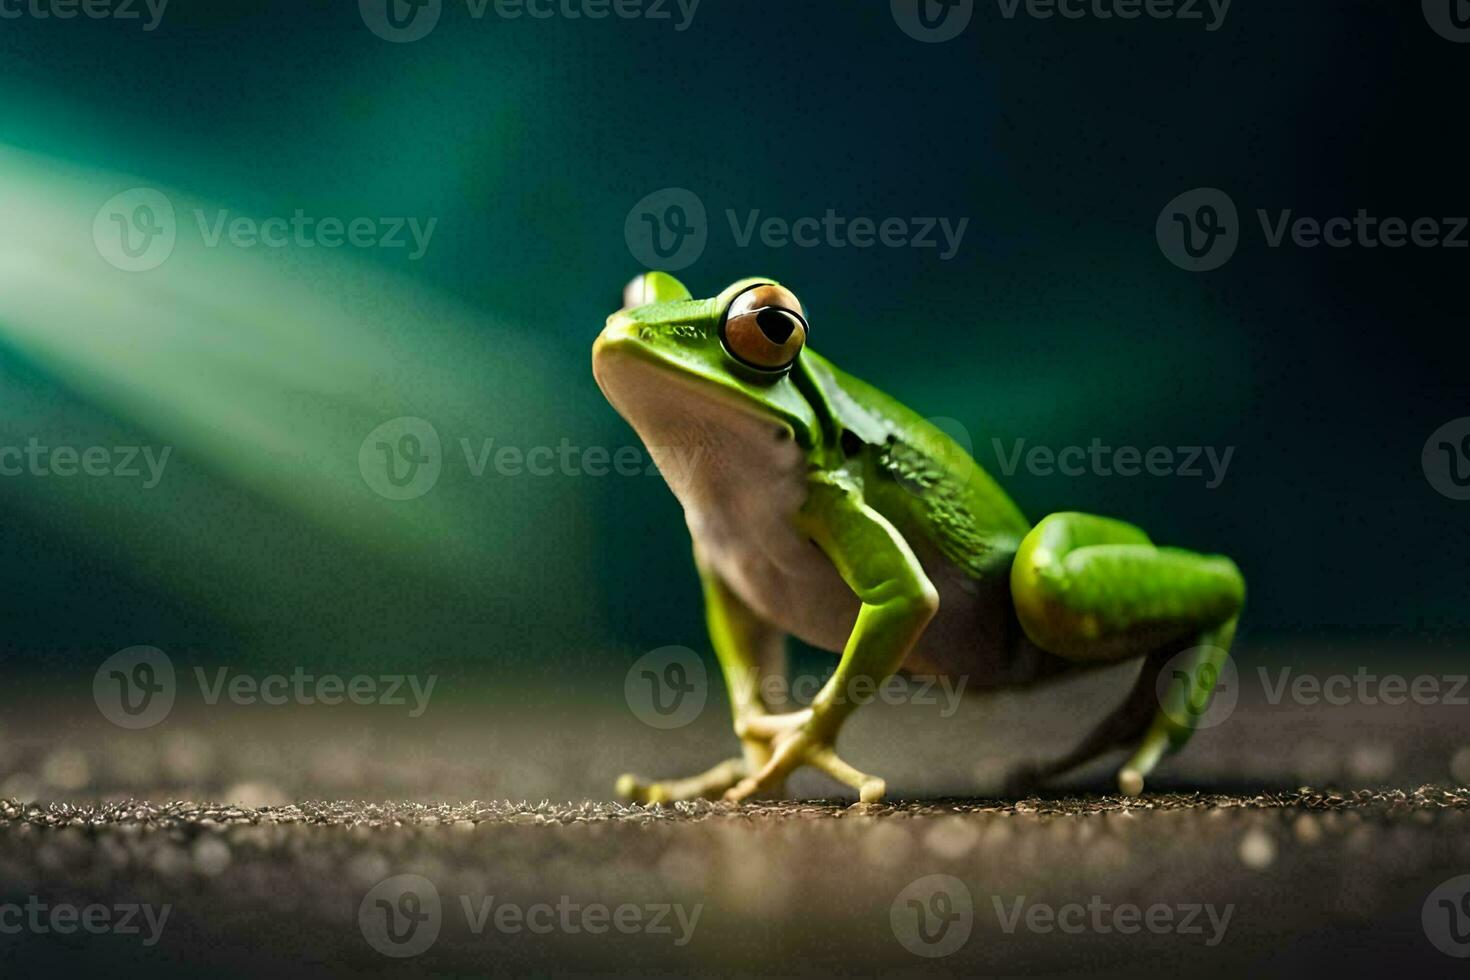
[821, 508]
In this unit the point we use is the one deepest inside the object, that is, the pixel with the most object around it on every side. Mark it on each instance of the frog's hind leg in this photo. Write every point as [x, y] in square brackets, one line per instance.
[1096, 590]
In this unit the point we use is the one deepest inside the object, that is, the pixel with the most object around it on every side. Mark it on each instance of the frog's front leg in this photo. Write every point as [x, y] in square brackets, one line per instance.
[898, 600]
[747, 648]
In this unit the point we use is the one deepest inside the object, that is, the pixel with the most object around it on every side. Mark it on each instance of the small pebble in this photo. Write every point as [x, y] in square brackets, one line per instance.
[886, 844]
[952, 837]
[1307, 829]
[211, 856]
[1257, 850]
[66, 769]
[1371, 763]
[1460, 766]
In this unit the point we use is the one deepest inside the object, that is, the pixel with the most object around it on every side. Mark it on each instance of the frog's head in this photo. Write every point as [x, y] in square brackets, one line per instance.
[684, 371]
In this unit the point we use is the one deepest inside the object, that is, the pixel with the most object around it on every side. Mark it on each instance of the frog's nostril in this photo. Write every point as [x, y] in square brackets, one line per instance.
[775, 324]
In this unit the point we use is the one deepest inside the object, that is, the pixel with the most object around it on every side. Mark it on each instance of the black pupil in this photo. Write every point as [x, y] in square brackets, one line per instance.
[775, 324]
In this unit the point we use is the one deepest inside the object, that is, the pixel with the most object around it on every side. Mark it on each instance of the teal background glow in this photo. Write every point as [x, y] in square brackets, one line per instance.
[1058, 321]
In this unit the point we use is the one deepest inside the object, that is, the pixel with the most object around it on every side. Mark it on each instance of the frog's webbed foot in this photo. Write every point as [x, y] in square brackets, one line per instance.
[802, 746]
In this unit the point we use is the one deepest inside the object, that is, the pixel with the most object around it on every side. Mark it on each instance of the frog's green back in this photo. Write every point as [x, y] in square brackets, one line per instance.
[920, 478]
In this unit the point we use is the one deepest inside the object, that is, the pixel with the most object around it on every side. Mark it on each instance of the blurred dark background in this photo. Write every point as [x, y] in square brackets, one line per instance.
[1059, 320]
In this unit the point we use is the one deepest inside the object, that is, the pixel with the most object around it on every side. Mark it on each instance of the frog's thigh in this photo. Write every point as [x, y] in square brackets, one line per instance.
[1096, 590]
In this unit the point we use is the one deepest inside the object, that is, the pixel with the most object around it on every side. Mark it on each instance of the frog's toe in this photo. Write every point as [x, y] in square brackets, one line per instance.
[1144, 758]
[712, 782]
[1130, 781]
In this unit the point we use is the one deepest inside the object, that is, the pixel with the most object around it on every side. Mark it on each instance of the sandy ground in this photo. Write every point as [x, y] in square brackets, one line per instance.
[1229, 864]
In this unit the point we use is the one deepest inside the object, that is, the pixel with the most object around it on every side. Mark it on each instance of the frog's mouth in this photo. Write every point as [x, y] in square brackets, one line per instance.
[653, 390]
[657, 397]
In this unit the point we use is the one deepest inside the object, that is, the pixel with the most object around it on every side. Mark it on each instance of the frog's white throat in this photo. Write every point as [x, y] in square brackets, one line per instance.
[713, 450]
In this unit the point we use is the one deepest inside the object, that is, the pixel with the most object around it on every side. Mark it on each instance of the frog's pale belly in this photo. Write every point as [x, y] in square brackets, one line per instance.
[743, 526]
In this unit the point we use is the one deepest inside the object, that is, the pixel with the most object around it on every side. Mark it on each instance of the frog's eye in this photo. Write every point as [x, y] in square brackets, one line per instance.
[764, 328]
